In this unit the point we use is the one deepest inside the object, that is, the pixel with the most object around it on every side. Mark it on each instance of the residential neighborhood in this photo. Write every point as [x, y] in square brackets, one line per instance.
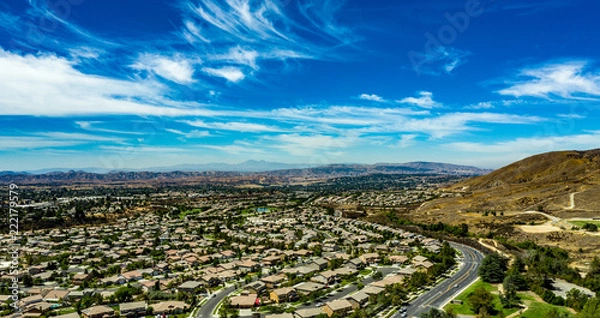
[263, 262]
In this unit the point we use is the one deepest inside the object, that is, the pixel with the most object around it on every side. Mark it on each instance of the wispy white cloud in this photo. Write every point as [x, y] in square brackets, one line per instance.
[191, 134]
[233, 126]
[92, 126]
[454, 123]
[532, 145]
[133, 149]
[49, 85]
[363, 120]
[52, 140]
[371, 97]
[407, 140]
[230, 73]
[308, 145]
[23, 143]
[442, 60]
[425, 100]
[77, 136]
[569, 80]
[176, 68]
[571, 116]
[343, 115]
[245, 32]
[85, 52]
[238, 18]
[240, 56]
[193, 33]
[235, 149]
[481, 105]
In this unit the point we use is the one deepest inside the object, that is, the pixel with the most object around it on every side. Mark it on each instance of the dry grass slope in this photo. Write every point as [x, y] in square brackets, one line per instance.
[542, 181]
[563, 184]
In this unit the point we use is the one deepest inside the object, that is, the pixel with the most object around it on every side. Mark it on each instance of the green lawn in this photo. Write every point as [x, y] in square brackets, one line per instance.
[465, 308]
[535, 309]
[64, 311]
[538, 309]
[582, 223]
[365, 272]
[189, 212]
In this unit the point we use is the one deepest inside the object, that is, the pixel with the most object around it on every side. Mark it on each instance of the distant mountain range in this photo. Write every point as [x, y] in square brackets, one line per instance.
[264, 166]
[341, 170]
[246, 166]
[247, 173]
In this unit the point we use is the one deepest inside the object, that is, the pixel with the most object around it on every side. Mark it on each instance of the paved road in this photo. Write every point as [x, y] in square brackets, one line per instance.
[350, 288]
[207, 309]
[443, 292]
[435, 297]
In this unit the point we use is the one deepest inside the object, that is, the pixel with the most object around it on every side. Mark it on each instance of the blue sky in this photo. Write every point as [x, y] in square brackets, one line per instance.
[136, 84]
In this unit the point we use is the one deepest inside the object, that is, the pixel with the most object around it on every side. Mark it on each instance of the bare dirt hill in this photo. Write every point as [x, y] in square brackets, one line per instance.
[542, 182]
[562, 185]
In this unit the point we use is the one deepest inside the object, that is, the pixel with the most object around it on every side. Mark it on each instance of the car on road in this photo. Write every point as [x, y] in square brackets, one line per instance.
[456, 285]
[319, 304]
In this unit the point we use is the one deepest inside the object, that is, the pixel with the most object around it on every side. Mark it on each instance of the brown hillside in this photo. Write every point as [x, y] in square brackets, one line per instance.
[564, 167]
[564, 185]
[544, 181]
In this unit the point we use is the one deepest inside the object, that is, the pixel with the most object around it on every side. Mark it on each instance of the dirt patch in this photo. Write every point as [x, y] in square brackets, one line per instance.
[545, 228]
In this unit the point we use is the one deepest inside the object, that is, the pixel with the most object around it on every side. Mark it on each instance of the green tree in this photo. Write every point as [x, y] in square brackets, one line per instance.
[396, 294]
[591, 309]
[418, 280]
[576, 299]
[436, 313]
[554, 313]
[481, 301]
[592, 279]
[515, 279]
[378, 275]
[124, 294]
[509, 298]
[27, 280]
[493, 268]
[590, 227]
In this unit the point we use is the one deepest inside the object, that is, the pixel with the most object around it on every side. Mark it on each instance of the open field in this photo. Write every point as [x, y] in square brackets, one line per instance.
[537, 308]
[465, 308]
[582, 223]
[532, 307]
[544, 228]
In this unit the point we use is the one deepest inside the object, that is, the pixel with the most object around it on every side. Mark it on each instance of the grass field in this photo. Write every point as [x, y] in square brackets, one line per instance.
[537, 309]
[465, 308]
[582, 223]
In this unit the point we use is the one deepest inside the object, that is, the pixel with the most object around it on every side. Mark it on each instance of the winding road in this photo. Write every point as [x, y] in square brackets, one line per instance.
[207, 309]
[442, 293]
[437, 297]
